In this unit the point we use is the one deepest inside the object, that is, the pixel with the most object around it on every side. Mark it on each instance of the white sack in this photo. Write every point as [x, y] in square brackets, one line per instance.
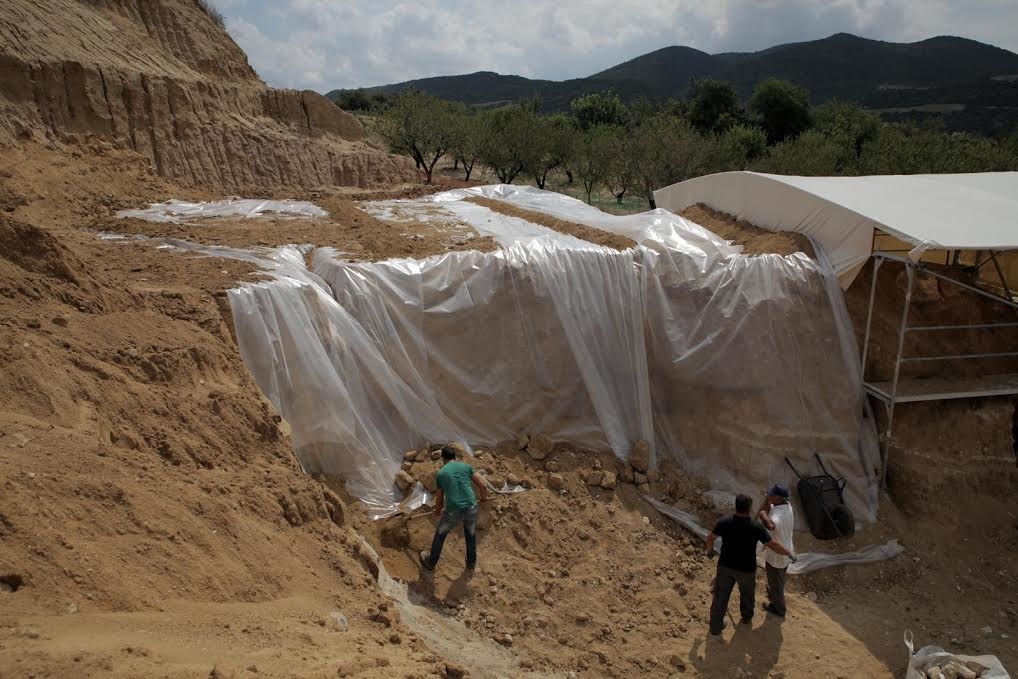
[918, 660]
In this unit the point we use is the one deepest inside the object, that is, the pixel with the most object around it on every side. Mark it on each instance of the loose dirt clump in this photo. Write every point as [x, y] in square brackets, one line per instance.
[753, 239]
[582, 231]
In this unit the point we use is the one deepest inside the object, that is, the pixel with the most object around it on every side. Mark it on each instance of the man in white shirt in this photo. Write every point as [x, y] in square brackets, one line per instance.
[776, 516]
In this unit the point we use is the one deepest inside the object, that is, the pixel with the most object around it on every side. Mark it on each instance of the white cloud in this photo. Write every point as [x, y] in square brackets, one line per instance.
[324, 44]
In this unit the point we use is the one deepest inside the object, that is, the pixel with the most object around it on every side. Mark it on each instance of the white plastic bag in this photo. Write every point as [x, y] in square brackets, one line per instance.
[927, 655]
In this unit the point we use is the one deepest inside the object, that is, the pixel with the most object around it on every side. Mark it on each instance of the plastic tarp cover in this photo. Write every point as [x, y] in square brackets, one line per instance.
[806, 562]
[951, 211]
[181, 211]
[725, 363]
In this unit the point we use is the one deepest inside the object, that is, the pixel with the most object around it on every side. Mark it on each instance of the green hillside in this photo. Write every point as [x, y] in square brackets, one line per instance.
[973, 86]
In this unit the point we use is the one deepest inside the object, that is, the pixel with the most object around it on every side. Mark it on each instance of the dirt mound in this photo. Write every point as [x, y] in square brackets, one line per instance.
[161, 78]
[151, 501]
[579, 578]
[35, 250]
[347, 228]
[155, 523]
[753, 239]
[582, 231]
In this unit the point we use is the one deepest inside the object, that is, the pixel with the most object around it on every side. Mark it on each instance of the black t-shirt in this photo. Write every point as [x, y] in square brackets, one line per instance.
[738, 546]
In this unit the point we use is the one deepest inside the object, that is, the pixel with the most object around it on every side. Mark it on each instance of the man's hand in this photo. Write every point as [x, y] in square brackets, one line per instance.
[769, 524]
[793, 558]
[438, 509]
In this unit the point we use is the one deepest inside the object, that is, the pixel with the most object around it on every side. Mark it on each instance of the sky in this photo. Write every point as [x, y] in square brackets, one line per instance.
[335, 44]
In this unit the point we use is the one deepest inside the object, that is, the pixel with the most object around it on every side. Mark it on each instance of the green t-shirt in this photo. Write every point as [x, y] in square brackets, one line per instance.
[454, 480]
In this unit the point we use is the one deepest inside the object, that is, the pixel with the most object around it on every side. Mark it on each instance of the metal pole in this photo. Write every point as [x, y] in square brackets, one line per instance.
[964, 326]
[910, 268]
[989, 295]
[952, 357]
[1000, 272]
[869, 314]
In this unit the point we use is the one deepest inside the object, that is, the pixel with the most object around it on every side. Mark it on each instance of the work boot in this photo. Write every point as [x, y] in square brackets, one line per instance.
[772, 610]
[425, 559]
[723, 626]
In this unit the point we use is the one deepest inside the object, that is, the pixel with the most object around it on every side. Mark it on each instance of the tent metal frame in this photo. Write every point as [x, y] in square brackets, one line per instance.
[889, 394]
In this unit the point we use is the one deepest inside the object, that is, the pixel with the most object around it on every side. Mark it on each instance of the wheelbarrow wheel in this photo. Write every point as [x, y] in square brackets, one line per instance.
[843, 519]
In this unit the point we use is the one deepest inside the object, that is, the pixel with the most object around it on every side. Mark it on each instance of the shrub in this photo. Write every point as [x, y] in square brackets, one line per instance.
[213, 13]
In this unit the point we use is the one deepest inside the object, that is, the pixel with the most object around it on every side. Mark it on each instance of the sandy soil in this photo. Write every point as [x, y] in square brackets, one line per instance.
[154, 520]
[347, 228]
[587, 233]
[753, 239]
[155, 523]
[582, 582]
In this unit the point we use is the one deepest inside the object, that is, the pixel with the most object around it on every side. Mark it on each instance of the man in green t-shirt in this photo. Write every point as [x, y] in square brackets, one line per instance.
[456, 502]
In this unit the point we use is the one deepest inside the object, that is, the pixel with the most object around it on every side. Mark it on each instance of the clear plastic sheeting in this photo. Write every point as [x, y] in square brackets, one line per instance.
[181, 211]
[417, 497]
[690, 522]
[806, 562]
[811, 561]
[350, 414]
[725, 363]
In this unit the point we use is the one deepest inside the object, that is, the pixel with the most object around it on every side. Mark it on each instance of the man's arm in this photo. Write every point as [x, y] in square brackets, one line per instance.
[711, 537]
[779, 548]
[439, 501]
[481, 485]
[764, 515]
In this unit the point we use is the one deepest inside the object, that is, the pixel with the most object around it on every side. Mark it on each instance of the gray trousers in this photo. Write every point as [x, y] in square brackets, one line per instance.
[724, 583]
[776, 588]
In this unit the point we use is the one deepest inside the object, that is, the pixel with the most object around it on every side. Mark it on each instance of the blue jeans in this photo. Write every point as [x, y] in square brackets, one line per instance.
[446, 524]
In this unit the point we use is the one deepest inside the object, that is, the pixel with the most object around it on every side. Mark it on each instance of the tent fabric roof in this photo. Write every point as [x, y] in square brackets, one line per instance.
[947, 211]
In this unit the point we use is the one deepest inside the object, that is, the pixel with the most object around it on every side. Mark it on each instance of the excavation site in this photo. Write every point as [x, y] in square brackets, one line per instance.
[244, 347]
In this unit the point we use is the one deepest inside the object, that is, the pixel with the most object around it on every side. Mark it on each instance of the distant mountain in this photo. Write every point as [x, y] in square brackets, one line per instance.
[974, 85]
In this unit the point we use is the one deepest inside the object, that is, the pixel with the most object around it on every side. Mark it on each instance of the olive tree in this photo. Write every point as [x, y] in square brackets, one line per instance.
[553, 144]
[467, 140]
[421, 126]
[602, 108]
[508, 145]
[783, 109]
[591, 156]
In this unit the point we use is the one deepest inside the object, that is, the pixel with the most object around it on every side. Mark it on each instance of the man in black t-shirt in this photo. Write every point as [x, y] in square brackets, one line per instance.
[737, 564]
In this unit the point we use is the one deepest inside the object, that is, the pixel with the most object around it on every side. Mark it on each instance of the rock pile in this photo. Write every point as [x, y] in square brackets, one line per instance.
[510, 464]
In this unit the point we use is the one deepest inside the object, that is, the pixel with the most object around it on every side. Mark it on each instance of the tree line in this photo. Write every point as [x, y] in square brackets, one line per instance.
[604, 143]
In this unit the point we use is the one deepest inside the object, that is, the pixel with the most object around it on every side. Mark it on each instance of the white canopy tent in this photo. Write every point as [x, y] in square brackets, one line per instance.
[950, 212]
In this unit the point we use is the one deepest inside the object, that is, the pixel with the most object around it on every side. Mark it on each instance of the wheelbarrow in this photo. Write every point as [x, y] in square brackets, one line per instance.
[823, 502]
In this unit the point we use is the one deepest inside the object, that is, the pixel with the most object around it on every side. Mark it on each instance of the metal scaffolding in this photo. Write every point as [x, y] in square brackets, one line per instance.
[913, 390]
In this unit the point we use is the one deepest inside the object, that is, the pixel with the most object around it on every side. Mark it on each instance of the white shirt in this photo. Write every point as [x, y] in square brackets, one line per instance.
[784, 521]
